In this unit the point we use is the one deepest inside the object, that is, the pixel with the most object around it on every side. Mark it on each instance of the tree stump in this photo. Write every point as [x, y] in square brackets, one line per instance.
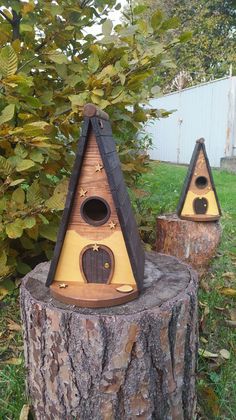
[192, 242]
[134, 361]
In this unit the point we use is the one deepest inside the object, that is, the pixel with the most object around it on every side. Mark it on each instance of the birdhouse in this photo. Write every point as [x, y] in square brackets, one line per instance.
[199, 201]
[98, 259]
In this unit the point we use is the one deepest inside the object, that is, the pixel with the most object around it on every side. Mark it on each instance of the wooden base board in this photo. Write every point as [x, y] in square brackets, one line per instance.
[200, 218]
[91, 295]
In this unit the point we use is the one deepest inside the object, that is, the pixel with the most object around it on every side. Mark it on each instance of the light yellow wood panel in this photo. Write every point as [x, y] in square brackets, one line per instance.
[188, 204]
[200, 170]
[68, 268]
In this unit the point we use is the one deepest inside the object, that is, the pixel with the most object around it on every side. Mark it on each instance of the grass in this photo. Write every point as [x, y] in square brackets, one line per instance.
[216, 379]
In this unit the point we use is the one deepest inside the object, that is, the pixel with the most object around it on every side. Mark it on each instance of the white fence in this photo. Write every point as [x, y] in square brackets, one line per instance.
[207, 110]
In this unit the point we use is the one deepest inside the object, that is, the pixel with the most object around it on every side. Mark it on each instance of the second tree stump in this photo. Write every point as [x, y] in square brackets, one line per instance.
[192, 242]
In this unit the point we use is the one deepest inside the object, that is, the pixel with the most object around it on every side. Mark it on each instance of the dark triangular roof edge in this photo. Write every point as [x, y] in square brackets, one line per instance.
[200, 145]
[133, 245]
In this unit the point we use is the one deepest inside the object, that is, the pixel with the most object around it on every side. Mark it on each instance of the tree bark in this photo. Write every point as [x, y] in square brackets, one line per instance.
[133, 361]
[192, 242]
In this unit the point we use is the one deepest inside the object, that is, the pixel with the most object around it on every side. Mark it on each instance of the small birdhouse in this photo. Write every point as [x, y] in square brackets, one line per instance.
[199, 201]
[98, 259]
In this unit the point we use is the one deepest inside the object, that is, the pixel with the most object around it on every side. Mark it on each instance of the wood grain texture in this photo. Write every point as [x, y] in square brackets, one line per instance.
[96, 184]
[133, 361]
[128, 235]
[93, 264]
[92, 295]
[191, 242]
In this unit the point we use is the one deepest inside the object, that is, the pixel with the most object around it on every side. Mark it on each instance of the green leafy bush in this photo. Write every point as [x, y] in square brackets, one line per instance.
[50, 66]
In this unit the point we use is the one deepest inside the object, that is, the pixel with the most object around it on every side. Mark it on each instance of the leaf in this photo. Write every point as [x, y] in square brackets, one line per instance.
[98, 92]
[58, 57]
[8, 61]
[24, 164]
[13, 361]
[225, 354]
[25, 412]
[139, 9]
[7, 113]
[36, 156]
[18, 196]
[232, 314]
[210, 402]
[25, 27]
[28, 222]
[12, 325]
[15, 229]
[227, 291]
[171, 23]
[156, 19]
[6, 286]
[185, 36]
[35, 129]
[57, 201]
[23, 268]
[49, 231]
[107, 27]
[5, 166]
[33, 194]
[20, 151]
[27, 8]
[229, 275]
[16, 182]
[78, 100]
[93, 63]
[207, 354]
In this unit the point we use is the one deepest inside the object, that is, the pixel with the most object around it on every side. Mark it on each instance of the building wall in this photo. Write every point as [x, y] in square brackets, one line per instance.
[207, 111]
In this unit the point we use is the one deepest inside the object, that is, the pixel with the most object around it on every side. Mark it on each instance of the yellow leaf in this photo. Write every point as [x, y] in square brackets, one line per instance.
[232, 314]
[27, 8]
[98, 92]
[15, 229]
[18, 196]
[25, 411]
[13, 326]
[229, 275]
[8, 61]
[12, 361]
[225, 354]
[16, 182]
[227, 291]
[24, 164]
[7, 113]
[207, 354]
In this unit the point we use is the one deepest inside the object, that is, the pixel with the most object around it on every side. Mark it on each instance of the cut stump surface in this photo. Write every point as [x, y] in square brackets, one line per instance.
[136, 360]
[192, 242]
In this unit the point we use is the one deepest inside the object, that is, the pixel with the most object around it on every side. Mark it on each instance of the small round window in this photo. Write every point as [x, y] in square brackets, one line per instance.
[201, 182]
[95, 211]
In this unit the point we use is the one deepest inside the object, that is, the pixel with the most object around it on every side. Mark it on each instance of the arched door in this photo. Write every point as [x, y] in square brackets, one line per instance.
[200, 205]
[97, 264]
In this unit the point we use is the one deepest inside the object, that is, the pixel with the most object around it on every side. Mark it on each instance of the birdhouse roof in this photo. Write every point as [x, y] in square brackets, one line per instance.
[100, 125]
[200, 146]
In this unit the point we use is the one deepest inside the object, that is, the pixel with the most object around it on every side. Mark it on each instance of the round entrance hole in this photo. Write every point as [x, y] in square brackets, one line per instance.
[95, 211]
[201, 182]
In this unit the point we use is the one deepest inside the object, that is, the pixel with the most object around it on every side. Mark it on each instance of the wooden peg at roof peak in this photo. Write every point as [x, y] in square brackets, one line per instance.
[201, 140]
[90, 110]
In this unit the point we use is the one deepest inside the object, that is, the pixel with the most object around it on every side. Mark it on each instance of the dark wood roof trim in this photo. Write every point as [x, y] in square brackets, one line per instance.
[198, 147]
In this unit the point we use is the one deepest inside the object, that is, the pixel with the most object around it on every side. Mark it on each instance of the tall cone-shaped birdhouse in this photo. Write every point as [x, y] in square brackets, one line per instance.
[98, 259]
[199, 201]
